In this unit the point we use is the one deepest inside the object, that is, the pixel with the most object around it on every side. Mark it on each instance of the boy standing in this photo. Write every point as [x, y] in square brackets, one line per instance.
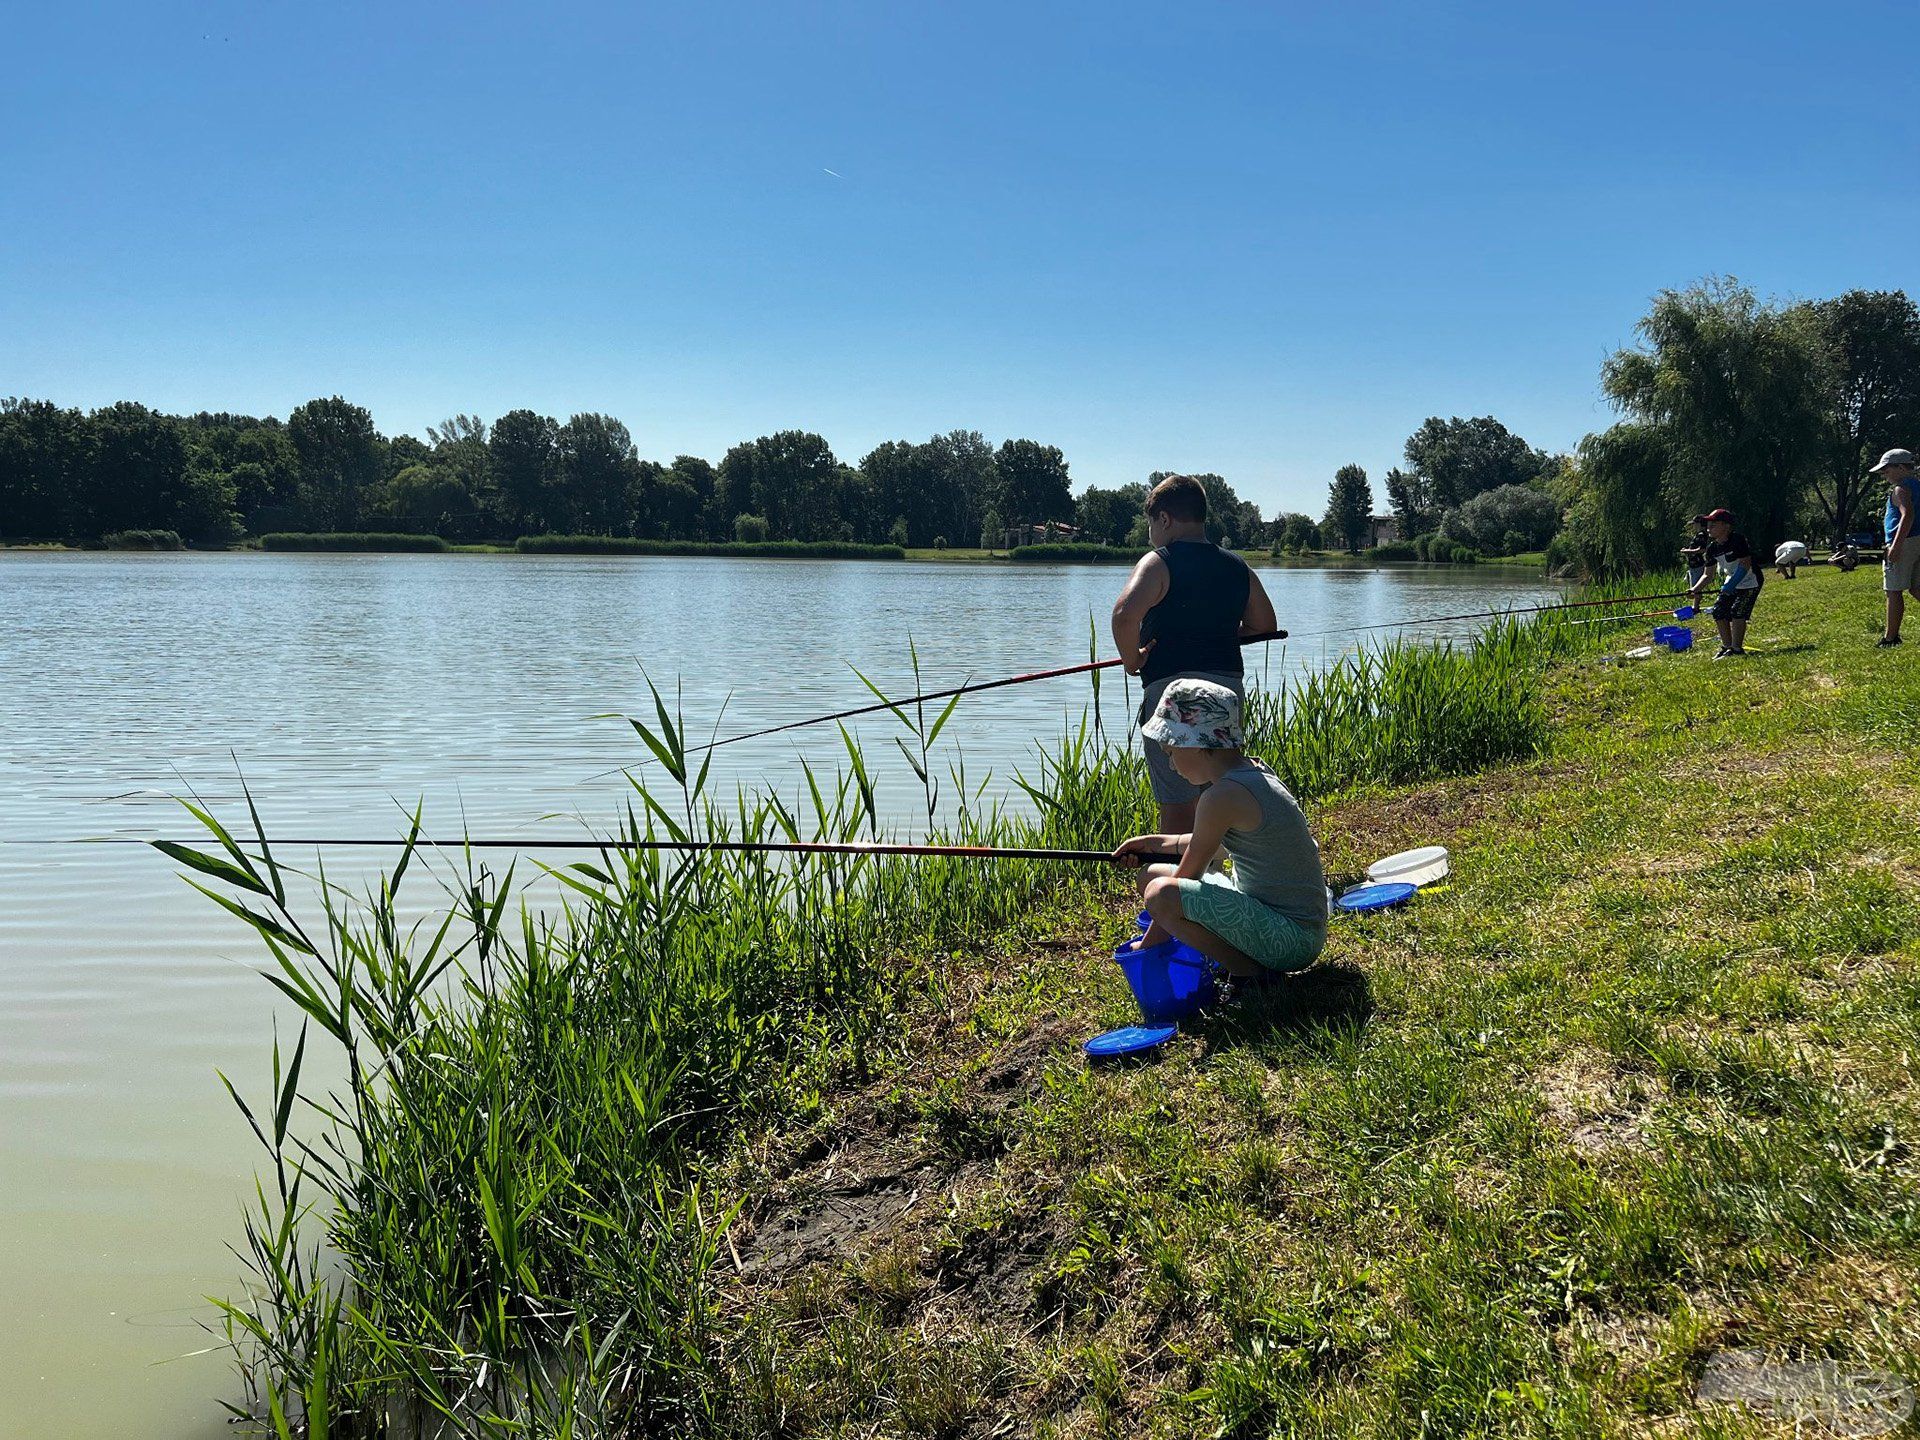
[1901, 568]
[1739, 571]
[1181, 615]
[1271, 913]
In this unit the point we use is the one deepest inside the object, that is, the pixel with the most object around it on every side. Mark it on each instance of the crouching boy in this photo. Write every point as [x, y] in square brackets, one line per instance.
[1271, 913]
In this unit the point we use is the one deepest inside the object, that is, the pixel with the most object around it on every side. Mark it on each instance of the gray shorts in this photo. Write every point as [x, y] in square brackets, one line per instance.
[1904, 573]
[1168, 787]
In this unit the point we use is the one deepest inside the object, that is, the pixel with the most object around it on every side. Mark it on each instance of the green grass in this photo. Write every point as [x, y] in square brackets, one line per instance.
[746, 1149]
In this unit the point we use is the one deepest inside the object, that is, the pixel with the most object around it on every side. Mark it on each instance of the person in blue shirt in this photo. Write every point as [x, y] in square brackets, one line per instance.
[1901, 567]
[1739, 570]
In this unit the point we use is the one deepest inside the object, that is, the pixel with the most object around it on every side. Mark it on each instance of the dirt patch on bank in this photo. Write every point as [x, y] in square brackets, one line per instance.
[1597, 1105]
[1436, 814]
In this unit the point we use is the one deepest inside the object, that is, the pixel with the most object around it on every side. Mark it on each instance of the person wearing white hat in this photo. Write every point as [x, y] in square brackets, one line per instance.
[1901, 567]
[1271, 913]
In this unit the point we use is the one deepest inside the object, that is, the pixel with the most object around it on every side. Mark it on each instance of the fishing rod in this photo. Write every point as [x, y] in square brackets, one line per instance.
[1083, 668]
[1496, 614]
[1685, 612]
[751, 847]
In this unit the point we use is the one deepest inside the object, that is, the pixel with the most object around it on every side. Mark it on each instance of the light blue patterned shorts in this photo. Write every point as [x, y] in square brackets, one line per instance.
[1251, 926]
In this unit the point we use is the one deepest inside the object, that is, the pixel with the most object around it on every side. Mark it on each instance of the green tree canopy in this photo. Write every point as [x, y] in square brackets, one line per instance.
[600, 471]
[1622, 515]
[46, 469]
[1415, 506]
[140, 470]
[1454, 460]
[1739, 388]
[1033, 486]
[523, 459]
[790, 479]
[1293, 531]
[339, 455]
[1872, 339]
[1491, 517]
[1349, 505]
[1108, 516]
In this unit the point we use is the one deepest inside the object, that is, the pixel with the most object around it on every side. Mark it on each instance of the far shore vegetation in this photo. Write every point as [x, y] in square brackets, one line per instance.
[1840, 380]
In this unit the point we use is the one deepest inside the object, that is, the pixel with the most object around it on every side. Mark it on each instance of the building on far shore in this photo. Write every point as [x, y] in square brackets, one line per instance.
[1047, 532]
[1382, 530]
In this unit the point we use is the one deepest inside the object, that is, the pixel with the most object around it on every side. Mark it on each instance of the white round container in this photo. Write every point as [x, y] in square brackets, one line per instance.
[1411, 867]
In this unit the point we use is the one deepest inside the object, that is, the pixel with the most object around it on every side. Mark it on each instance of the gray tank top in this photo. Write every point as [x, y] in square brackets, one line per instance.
[1279, 863]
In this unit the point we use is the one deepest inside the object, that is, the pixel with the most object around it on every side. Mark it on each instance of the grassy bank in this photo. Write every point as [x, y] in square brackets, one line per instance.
[1515, 1161]
[747, 1150]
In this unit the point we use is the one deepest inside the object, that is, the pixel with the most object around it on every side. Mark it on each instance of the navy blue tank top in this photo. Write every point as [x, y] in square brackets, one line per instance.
[1197, 625]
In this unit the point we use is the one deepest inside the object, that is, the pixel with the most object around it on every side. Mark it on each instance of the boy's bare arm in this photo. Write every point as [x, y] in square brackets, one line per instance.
[1259, 619]
[1221, 807]
[1146, 587]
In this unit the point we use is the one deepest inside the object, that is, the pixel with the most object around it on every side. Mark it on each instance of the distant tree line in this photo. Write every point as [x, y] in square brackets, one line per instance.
[211, 478]
[73, 475]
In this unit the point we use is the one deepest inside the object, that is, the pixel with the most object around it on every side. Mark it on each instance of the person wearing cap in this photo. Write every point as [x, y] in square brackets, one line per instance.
[1270, 914]
[1182, 613]
[1900, 569]
[1739, 571]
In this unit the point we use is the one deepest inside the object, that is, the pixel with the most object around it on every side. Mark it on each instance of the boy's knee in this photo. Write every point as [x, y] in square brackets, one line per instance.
[1162, 895]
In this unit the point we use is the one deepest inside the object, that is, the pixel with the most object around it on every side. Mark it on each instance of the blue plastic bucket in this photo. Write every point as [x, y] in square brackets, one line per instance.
[1144, 921]
[1674, 637]
[1170, 980]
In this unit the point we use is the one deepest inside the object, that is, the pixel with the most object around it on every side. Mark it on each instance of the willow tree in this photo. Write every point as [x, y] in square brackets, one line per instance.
[1873, 344]
[1622, 515]
[1738, 389]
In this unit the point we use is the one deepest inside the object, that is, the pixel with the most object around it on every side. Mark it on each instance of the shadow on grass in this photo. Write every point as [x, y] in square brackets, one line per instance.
[1317, 1009]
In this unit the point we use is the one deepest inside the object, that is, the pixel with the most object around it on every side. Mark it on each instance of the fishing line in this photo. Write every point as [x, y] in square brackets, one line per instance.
[1085, 667]
[1094, 665]
[750, 847]
[1491, 614]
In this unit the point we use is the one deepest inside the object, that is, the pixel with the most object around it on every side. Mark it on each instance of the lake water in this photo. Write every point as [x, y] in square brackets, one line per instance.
[345, 686]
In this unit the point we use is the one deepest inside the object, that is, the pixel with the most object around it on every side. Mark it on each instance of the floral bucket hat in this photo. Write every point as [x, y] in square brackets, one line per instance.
[1196, 715]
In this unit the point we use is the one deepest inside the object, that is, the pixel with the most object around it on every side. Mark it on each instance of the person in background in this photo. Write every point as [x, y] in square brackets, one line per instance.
[1900, 569]
[1693, 554]
[1181, 616]
[1271, 914]
[1739, 572]
[1788, 556]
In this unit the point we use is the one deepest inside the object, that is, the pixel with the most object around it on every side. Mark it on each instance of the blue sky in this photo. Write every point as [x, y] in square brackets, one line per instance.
[1261, 240]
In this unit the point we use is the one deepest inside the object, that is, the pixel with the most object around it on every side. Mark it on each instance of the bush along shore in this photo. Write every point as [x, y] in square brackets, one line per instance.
[751, 549]
[739, 1148]
[370, 541]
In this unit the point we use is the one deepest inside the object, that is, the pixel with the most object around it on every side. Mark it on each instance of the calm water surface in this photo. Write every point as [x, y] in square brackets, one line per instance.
[344, 686]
